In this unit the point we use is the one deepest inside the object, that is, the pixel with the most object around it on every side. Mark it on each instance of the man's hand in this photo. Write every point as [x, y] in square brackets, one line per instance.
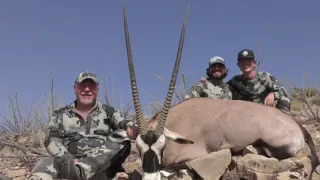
[132, 132]
[75, 161]
[269, 100]
[203, 79]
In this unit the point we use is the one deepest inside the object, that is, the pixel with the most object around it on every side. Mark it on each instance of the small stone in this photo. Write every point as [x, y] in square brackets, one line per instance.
[250, 150]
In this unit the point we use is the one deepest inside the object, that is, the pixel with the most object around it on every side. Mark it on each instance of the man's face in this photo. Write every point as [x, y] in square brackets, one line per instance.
[246, 65]
[86, 91]
[217, 70]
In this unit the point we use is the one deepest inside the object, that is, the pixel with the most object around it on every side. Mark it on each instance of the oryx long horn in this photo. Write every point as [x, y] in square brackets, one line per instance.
[167, 103]
[135, 95]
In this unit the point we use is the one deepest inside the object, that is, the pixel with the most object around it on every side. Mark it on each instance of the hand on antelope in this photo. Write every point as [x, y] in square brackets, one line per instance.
[269, 100]
[132, 132]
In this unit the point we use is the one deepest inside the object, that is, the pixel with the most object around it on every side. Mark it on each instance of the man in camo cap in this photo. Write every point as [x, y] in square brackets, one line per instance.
[85, 138]
[260, 87]
[213, 86]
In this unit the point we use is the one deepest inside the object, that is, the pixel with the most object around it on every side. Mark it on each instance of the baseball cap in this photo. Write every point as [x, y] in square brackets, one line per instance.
[245, 54]
[216, 59]
[86, 75]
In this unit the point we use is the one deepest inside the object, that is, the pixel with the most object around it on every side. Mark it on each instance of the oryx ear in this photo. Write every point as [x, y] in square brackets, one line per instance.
[176, 137]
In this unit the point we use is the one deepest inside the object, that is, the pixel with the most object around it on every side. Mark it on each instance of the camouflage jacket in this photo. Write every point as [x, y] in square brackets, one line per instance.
[69, 132]
[211, 89]
[256, 89]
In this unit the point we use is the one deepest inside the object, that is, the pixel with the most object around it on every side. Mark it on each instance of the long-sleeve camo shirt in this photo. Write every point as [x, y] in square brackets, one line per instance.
[210, 88]
[258, 88]
[68, 132]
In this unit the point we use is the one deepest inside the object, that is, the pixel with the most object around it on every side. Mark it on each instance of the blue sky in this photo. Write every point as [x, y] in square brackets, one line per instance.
[66, 37]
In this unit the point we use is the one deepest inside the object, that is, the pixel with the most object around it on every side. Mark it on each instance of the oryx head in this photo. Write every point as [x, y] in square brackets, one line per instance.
[151, 143]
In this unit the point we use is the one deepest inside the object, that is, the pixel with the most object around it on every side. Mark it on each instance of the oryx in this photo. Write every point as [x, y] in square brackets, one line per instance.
[200, 126]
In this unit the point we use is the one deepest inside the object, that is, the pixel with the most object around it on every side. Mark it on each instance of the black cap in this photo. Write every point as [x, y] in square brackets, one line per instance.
[246, 54]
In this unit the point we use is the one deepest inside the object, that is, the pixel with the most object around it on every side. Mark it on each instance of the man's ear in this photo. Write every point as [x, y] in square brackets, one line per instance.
[208, 72]
[226, 73]
[225, 69]
[254, 63]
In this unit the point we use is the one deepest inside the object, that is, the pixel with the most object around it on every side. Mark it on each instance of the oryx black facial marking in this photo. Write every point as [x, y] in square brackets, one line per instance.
[152, 156]
[151, 147]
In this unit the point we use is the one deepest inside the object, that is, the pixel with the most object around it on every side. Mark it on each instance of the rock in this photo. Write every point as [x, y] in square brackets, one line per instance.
[253, 166]
[305, 163]
[19, 178]
[212, 166]
[17, 173]
[289, 176]
[315, 176]
[250, 150]
[5, 178]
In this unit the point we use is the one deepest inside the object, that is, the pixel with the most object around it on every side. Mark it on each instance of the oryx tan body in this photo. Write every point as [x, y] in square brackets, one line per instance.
[214, 124]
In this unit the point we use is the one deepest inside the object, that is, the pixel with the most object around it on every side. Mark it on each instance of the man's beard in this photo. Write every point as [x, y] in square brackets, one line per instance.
[87, 101]
[223, 75]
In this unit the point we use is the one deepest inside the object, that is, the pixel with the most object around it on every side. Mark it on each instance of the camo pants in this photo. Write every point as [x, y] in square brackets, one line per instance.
[96, 164]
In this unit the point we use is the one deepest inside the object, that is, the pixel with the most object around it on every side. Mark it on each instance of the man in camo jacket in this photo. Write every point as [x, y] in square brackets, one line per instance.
[85, 138]
[213, 86]
[259, 87]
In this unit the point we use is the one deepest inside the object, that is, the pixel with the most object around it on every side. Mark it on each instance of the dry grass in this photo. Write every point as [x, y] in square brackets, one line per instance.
[306, 100]
[180, 91]
[22, 120]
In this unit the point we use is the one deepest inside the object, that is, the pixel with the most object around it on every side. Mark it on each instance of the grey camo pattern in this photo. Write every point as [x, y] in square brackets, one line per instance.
[257, 89]
[210, 88]
[87, 140]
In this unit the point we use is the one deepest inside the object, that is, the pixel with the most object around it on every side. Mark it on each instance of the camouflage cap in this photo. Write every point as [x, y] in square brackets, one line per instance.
[86, 75]
[216, 59]
[246, 54]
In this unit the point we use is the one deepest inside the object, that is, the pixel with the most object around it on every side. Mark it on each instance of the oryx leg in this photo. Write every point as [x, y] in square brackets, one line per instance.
[173, 169]
[283, 148]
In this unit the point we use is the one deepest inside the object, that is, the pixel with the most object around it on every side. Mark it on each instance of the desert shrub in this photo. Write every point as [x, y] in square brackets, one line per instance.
[306, 100]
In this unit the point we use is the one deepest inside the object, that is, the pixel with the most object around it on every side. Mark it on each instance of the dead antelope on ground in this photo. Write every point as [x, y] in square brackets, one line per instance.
[200, 126]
